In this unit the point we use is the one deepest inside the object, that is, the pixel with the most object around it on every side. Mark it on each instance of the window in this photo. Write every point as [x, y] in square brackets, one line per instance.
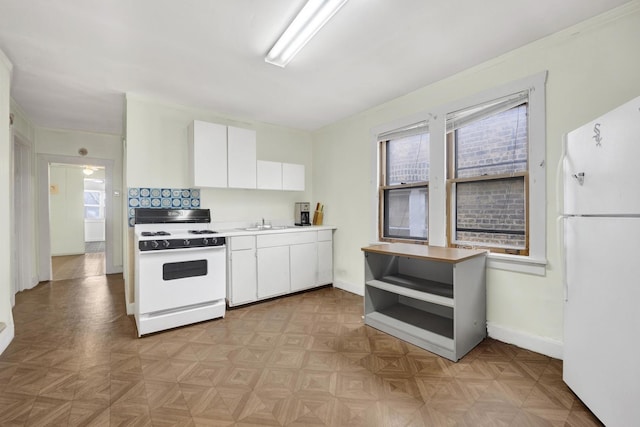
[484, 180]
[93, 204]
[404, 184]
[487, 148]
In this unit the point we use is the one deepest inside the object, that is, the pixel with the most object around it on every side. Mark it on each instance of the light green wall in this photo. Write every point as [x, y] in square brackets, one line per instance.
[156, 156]
[6, 200]
[592, 67]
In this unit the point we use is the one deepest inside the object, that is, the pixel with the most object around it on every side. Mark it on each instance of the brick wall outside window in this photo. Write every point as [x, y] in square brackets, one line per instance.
[493, 146]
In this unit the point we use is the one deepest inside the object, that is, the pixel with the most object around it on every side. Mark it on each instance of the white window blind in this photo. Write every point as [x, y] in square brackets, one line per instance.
[458, 119]
[409, 130]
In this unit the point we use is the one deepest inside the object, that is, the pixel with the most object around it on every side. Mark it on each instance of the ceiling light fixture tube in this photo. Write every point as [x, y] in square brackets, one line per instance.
[311, 18]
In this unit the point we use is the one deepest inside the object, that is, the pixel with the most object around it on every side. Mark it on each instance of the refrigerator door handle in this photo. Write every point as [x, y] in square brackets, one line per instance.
[580, 177]
[560, 227]
[559, 175]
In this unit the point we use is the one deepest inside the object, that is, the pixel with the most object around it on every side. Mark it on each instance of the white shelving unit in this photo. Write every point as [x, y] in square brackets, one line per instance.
[430, 296]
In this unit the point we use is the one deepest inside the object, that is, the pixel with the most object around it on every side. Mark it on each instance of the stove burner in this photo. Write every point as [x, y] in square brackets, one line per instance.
[202, 232]
[155, 233]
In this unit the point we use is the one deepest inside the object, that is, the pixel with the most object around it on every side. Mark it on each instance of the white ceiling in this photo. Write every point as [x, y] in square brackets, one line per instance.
[74, 60]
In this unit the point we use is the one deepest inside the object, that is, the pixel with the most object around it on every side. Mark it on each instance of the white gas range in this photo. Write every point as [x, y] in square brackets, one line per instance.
[180, 269]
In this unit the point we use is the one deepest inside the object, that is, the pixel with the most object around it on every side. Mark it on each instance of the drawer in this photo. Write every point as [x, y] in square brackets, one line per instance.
[325, 235]
[285, 239]
[242, 242]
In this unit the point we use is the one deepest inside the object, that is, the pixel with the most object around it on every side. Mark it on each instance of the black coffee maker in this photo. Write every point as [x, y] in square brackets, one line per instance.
[301, 213]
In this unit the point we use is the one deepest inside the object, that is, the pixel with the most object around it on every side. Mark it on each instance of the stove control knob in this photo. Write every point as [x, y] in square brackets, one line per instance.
[205, 241]
[187, 242]
[154, 244]
[165, 243]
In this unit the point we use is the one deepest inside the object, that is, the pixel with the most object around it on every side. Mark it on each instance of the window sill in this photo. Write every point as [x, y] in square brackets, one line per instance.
[519, 264]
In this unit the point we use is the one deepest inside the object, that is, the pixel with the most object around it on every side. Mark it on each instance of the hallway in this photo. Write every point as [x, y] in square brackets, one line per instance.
[92, 263]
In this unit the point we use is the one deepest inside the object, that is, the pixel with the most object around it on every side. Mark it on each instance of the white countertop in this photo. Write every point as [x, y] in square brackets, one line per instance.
[241, 231]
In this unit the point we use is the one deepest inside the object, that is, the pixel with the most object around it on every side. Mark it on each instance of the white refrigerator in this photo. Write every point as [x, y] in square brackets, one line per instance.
[601, 223]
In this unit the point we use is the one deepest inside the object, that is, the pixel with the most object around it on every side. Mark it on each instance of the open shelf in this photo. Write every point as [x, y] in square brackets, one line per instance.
[413, 287]
[432, 298]
[389, 321]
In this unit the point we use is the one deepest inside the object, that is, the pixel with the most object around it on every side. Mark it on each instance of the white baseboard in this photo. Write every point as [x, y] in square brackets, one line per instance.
[547, 346]
[6, 336]
[349, 287]
[114, 269]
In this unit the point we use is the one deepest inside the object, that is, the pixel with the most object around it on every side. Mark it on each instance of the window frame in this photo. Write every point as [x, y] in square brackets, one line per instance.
[435, 118]
[383, 191]
[411, 129]
[101, 205]
[453, 181]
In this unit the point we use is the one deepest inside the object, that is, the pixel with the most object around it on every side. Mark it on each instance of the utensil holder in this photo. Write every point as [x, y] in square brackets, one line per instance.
[317, 218]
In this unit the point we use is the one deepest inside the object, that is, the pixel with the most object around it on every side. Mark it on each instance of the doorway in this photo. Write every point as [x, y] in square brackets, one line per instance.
[77, 220]
[73, 242]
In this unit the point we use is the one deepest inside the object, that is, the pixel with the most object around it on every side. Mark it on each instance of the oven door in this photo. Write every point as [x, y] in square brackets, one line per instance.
[175, 278]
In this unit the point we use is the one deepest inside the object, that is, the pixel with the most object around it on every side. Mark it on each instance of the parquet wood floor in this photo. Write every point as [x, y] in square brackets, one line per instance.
[78, 266]
[304, 360]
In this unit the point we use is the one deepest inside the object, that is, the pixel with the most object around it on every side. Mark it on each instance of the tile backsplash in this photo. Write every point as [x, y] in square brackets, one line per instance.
[175, 198]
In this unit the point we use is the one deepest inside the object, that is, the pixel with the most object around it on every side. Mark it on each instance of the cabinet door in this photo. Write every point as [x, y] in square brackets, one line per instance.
[207, 141]
[241, 156]
[304, 263]
[292, 177]
[325, 262]
[269, 175]
[242, 277]
[273, 271]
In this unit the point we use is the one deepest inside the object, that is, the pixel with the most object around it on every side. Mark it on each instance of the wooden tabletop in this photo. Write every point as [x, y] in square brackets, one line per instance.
[433, 253]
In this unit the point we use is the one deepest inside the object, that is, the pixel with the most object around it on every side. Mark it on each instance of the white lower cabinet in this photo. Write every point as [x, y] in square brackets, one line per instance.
[273, 271]
[304, 262]
[274, 264]
[325, 257]
[242, 273]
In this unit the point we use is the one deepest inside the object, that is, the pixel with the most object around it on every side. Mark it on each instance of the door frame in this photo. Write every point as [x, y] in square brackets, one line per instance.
[44, 226]
[24, 274]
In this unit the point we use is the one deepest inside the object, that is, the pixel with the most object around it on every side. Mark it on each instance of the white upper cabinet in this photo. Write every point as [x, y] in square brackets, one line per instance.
[269, 175]
[207, 145]
[292, 177]
[233, 151]
[280, 176]
[241, 156]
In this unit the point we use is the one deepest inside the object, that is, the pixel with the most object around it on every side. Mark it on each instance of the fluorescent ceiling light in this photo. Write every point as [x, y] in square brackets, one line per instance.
[311, 18]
